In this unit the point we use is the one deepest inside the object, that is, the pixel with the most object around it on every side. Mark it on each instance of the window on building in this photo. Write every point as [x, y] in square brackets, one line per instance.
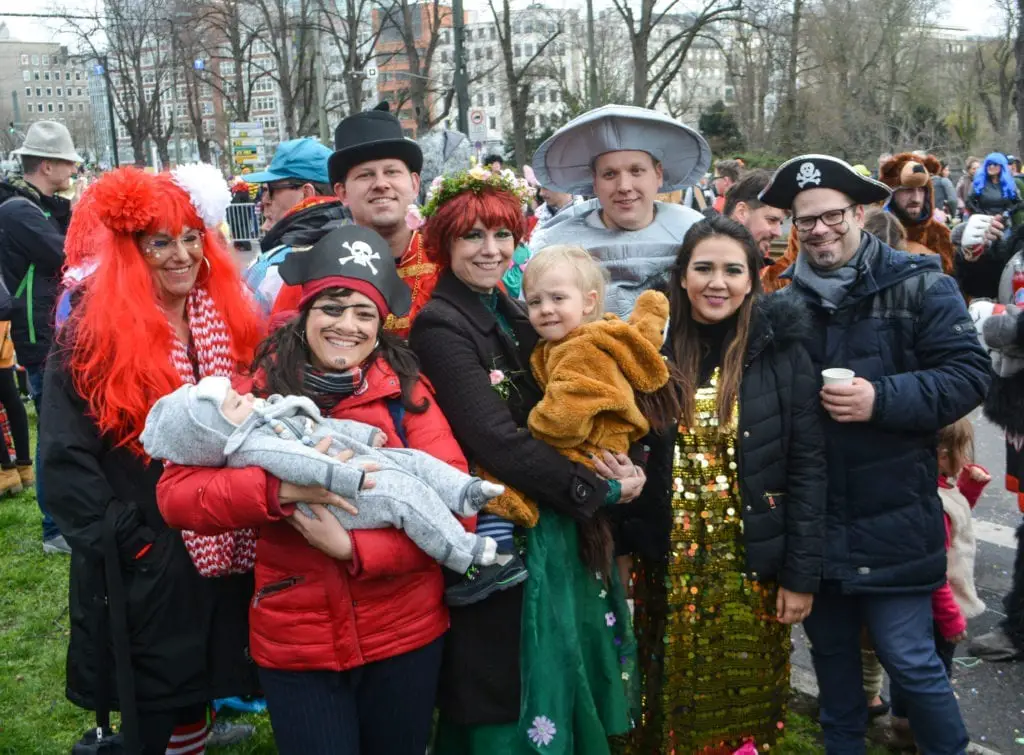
[46, 75]
[46, 60]
[78, 75]
[35, 75]
[490, 53]
[536, 120]
[24, 60]
[528, 50]
[28, 91]
[35, 60]
[492, 123]
[26, 75]
[554, 95]
[446, 37]
[207, 108]
[494, 33]
[79, 91]
[60, 107]
[81, 107]
[478, 53]
[49, 91]
[542, 97]
[39, 91]
[444, 56]
[49, 107]
[60, 92]
[469, 34]
[479, 100]
[517, 51]
[490, 98]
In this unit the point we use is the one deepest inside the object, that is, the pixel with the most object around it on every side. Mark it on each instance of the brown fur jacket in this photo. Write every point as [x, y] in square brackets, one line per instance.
[591, 379]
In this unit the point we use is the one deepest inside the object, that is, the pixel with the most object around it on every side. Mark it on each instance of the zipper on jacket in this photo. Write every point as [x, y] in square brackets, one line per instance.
[275, 587]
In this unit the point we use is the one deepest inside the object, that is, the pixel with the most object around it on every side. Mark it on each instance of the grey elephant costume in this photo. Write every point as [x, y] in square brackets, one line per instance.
[412, 491]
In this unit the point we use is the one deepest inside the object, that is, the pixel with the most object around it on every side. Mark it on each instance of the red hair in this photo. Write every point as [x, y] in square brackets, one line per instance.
[455, 218]
[118, 336]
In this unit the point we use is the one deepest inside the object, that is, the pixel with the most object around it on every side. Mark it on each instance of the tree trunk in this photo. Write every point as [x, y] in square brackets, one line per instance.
[139, 148]
[789, 118]
[591, 57]
[162, 152]
[204, 150]
[639, 43]
[1019, 49]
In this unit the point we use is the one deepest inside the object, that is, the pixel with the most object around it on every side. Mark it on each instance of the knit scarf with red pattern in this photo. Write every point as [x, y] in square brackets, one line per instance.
[232, 552]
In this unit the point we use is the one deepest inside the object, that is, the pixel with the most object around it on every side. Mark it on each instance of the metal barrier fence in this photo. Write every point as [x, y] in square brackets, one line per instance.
[243, 222]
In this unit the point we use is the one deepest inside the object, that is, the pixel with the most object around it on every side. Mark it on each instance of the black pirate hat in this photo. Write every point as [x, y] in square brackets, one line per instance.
[350, 257]
[820, 172]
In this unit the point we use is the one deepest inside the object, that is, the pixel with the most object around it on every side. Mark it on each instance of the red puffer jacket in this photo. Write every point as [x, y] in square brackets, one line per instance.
[311, 611]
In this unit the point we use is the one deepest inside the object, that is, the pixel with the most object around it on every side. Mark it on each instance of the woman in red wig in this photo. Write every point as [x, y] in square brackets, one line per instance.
[163, 306]
[474, 344]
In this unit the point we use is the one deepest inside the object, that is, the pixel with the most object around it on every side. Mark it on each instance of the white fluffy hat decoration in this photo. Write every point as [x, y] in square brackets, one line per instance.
[208, 190]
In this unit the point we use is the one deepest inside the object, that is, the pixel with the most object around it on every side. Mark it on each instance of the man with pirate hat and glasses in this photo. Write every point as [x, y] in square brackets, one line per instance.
[900, 329]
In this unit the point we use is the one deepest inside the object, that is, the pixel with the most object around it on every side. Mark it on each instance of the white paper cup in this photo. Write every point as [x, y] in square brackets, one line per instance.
[837, 376]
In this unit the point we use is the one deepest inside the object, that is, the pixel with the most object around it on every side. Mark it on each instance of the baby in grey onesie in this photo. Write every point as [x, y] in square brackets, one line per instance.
[211, 425]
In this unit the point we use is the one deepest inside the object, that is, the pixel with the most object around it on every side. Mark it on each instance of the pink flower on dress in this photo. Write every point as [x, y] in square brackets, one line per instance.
[496, 376]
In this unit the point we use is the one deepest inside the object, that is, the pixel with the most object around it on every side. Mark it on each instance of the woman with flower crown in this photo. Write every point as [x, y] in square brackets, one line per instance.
[517, 677]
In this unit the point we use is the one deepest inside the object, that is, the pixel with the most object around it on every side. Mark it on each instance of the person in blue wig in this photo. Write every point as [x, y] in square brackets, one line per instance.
[995, 190]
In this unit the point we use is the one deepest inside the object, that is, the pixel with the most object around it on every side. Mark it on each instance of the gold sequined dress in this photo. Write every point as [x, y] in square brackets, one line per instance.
[715, 661]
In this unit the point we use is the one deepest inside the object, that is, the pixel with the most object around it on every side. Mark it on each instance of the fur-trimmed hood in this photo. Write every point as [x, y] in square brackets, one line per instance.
[779, 320]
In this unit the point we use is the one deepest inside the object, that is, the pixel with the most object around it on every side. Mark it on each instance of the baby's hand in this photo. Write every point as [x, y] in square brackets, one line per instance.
[978, 474]
[380, 439]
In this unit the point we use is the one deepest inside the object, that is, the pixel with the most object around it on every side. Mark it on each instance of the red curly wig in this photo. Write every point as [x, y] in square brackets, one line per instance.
[118, 340]
[454, 219]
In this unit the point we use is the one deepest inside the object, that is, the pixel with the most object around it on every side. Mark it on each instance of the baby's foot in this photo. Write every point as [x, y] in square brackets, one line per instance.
[477, 494]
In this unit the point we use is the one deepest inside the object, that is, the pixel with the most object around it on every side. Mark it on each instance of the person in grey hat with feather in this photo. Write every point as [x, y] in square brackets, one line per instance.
[623, 156]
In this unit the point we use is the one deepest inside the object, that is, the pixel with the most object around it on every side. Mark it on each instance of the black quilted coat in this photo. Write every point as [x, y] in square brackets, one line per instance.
[780, 448]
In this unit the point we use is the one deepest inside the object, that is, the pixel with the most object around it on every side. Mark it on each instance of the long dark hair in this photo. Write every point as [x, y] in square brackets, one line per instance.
[686, 346]
[278, 366]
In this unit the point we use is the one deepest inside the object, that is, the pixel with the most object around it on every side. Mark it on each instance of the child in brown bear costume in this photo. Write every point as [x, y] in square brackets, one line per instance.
[592, 367]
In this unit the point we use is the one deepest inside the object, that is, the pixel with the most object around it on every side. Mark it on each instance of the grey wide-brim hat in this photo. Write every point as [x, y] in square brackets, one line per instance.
[51, 140]
[565, 161]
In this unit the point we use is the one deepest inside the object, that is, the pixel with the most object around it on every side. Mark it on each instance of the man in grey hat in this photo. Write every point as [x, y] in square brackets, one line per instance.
[624, 156]
[33, 221]
[909, 363]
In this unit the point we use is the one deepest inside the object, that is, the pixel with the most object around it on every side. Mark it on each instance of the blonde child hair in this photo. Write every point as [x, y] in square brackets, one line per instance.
[957, 440]
[589, 275]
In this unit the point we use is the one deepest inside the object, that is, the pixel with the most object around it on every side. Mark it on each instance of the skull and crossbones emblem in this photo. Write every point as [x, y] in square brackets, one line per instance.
[361, 253]
[808, 175]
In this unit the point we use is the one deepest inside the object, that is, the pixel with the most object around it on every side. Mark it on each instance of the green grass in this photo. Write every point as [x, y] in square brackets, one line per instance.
[35, 716]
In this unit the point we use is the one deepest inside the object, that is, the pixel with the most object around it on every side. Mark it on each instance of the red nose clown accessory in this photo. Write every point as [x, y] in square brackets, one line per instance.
[350, 257]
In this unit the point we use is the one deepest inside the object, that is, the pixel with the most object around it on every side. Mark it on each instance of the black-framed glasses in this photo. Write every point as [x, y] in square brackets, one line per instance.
[271, 188]
[831, 218]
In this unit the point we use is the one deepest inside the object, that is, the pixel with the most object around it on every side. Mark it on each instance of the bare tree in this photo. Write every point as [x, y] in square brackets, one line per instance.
[410, 33]
[521, 77]
[994, 70]
[1019, 88]
[349, 29]
[660, 40]
[122, 38]
[288, 31]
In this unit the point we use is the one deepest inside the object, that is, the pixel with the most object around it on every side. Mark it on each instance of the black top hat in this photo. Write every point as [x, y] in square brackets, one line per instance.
[820, 172]
[372, 135]
[349, 257]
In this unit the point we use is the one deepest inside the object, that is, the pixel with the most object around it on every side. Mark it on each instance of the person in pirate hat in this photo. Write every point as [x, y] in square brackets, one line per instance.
[913, 202]
[902, 329]
[624, 156]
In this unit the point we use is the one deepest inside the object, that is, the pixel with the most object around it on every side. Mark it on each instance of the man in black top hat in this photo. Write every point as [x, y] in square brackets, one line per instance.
[900, 330]
[375, 172]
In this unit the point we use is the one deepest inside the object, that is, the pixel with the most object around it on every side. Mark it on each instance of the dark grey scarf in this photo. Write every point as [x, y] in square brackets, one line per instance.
[833, 285]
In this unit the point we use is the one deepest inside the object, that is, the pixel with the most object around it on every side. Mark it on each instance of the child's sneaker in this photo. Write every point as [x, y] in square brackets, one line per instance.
[483, 581]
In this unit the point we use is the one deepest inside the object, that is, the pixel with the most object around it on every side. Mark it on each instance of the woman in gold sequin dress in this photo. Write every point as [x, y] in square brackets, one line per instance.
[729, 528]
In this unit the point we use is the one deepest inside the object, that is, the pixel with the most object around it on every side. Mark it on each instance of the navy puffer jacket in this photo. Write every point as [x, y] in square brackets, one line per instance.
[780, 456]
[904, 326]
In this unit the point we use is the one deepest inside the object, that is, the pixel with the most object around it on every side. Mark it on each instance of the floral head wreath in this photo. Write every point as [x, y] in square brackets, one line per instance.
[475, 179]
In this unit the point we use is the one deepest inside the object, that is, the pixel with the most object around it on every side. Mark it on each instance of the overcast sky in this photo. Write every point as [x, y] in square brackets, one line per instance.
[963, 14]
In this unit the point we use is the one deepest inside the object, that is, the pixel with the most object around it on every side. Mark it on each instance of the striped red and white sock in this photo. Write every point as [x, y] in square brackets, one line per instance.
[189, 739]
